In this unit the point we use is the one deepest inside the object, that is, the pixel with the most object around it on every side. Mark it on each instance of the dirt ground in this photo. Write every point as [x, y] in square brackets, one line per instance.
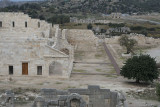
[154, 52]
[91, 68]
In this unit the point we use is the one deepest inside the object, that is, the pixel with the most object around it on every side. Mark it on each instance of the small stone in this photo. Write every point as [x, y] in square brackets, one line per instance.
[26, 98]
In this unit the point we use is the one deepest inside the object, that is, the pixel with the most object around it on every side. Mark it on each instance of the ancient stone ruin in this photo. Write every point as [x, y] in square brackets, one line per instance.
[33, 47]
[91, 97]
[9, 99]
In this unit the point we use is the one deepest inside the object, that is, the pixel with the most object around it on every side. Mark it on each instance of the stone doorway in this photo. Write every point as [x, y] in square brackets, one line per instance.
[75, 103]
[75, 100]
[24, 68]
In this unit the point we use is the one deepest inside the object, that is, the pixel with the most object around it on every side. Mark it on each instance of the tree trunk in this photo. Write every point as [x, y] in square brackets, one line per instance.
[128, 50]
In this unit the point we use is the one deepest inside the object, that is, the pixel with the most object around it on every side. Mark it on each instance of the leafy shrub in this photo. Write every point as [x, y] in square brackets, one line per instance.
[114, 25]
[89, 26]
[141, 68]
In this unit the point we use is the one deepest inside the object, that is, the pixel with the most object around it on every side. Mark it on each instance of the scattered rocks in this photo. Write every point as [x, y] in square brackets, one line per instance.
[148, 93]
[22, 95]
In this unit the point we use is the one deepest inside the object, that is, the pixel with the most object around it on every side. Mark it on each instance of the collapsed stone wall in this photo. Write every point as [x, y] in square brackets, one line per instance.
[91, 97]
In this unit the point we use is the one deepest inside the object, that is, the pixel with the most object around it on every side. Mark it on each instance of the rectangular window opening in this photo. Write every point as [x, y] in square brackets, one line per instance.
[25, 24]
[39, 70]
[0, 23]
[13, 24]
[10, 70]
[52, 24]
[39, 25]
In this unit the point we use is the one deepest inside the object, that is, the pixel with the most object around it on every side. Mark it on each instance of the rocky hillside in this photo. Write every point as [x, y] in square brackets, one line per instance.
[102, 6]
[107, 6]
[51, 9]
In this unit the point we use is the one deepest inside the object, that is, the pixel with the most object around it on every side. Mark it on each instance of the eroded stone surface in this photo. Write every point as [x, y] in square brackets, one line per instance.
[91, 97]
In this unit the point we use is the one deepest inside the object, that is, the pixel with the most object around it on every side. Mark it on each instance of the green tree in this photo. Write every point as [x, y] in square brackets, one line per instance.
[128, 43]
[41, 17]
[89, 26]
[114, 25]
[59, 19]
[141, 68]
[144, 32]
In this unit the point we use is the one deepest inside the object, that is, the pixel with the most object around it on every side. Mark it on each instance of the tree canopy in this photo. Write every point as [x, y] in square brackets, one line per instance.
[89, 26]
[141, 68]
[127, 42]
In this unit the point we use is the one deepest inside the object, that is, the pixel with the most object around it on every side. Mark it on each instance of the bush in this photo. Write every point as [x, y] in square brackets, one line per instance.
[138, 28]
[141, 68]
[41, 17]
[59, 19]
[114, 25]
[89, 26]
[144, 32]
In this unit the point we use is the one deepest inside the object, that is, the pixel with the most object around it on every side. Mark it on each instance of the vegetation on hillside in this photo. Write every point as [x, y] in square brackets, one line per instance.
[147, 29]
[36, 10]
[138, 6]
[45, 10]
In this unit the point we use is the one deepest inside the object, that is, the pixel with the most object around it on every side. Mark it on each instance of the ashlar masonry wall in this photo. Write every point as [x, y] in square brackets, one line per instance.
[31, 45]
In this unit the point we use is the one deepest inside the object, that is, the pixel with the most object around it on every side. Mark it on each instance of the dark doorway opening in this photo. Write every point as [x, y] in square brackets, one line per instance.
[75, 103]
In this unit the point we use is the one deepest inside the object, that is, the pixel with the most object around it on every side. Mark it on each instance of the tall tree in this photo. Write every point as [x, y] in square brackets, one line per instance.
[127, 42]
[140, 68]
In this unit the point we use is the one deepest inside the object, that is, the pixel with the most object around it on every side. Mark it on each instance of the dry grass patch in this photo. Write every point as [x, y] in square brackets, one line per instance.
[79, 71]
